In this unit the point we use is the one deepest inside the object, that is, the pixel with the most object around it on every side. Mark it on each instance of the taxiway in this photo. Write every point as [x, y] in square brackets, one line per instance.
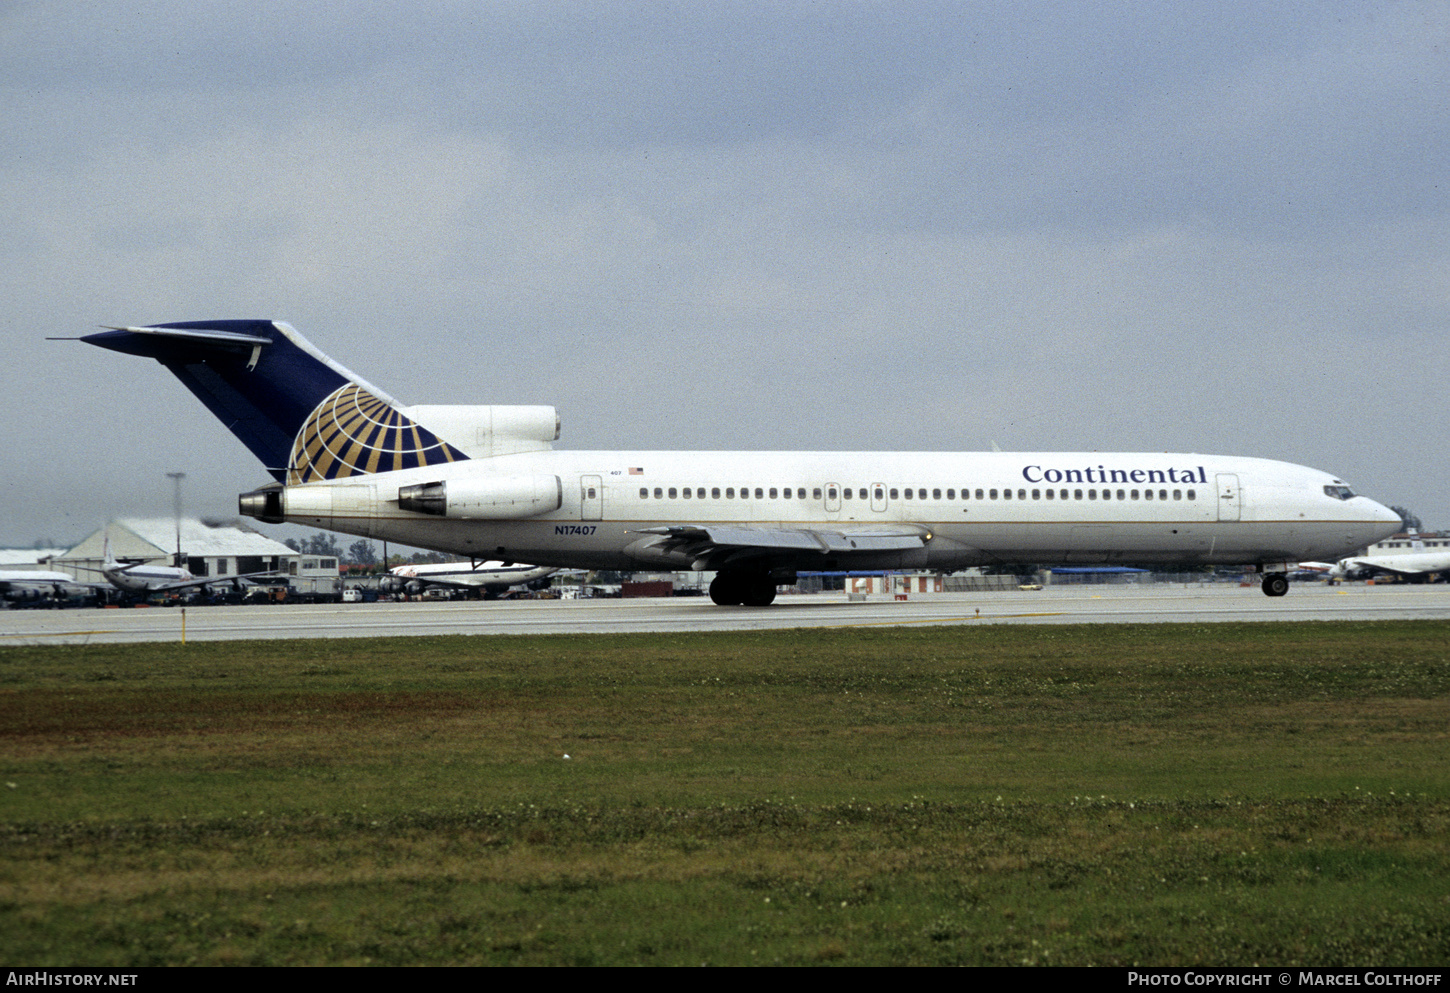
[1157, 603]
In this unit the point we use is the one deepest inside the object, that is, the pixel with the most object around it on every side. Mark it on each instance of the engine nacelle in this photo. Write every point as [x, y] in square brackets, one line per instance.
[490, 498]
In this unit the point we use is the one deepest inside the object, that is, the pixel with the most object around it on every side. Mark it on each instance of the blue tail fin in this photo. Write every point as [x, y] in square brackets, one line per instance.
[306, 417]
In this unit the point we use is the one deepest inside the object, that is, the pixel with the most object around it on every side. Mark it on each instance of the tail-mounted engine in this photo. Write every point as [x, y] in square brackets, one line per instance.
[493, 498]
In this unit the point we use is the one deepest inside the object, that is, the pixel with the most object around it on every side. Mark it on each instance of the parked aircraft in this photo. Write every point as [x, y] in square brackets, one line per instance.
[488, 579]
[141, 579]
[34, 584]
[1417, 566]
[485, 481]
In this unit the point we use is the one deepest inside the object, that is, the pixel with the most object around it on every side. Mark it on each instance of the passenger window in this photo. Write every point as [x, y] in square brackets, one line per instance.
[951, 494]
[1147, 494]
[659, 492]
[846, 492]
[1037, 494]
[1006, 494]
[921, 494]
[672, 492]
[1192, 495]
[1077, 494]
[1092, 494]
[861, 493]
[979, 495]
[879, 493]
[830, 493]
[992, 494]
[729, 493]
[686, 494]
[1120, 494]
[1162, 494]
[759, 493]
[1178, 494]
[816, 493]
[644, 493]
[893, 493]
[1051, 494]
[936, 494]
[715, 493]
[1021, 494]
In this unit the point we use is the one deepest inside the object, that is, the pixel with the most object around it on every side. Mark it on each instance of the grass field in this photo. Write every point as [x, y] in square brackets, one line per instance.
[1157, 794]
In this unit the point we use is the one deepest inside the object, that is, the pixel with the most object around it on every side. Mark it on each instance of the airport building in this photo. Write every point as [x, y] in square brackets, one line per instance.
[1404, 542]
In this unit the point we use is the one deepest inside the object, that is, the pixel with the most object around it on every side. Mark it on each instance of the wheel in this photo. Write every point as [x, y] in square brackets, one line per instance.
[759, 592]
[1276, 584]
[726, 590]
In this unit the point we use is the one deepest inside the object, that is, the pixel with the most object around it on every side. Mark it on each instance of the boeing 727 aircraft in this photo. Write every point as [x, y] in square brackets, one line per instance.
[485, 482]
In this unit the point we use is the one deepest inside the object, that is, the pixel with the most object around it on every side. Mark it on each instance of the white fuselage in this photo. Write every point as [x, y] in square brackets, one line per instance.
[975, 508]
[1406, 564]
[486, 574]
[145, 578]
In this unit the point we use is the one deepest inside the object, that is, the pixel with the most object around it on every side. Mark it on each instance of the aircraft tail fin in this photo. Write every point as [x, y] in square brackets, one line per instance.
[303, 415]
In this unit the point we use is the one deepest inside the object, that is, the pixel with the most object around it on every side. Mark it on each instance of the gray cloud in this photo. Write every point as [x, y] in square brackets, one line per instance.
[736, 225]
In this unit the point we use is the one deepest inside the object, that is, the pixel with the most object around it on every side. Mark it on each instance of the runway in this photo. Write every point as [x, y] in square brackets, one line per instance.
[1157, 603]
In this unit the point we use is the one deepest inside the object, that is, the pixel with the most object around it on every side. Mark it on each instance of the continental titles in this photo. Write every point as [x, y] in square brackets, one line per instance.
[1102, 474]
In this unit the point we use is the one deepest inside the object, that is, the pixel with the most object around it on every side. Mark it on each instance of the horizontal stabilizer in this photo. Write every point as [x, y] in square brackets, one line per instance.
[202, 335]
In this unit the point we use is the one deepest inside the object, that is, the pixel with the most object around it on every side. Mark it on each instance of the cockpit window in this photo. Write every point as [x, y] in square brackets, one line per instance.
[1339, 492]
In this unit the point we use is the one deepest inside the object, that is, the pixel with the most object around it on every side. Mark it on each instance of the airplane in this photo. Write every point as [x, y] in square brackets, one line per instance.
[23, 585]
[486, 579]
[140, 579]
[1416, 566]
[485, 481]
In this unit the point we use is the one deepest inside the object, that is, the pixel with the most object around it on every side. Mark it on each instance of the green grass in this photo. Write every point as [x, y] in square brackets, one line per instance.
[1193, 794]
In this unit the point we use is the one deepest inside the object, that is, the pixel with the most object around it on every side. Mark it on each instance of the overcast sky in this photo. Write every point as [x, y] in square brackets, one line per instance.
[1173, 226]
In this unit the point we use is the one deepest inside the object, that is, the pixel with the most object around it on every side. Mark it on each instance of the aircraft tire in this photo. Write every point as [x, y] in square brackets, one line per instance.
[759, 592]
[726, 590]
[1275, 584]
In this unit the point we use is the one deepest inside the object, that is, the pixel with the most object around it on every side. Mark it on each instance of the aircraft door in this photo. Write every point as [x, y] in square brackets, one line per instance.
[833, 498]
[1230, 499]
[878, 497]
[591, 498]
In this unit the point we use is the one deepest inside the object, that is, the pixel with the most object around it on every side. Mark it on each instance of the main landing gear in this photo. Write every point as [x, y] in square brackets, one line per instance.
[1275, 584]
[753, 589]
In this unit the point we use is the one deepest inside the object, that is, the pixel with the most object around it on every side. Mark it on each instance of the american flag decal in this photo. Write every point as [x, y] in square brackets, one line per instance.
[635, 472]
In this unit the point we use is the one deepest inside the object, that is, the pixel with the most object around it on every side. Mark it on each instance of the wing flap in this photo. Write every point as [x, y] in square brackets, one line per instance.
[710, 546]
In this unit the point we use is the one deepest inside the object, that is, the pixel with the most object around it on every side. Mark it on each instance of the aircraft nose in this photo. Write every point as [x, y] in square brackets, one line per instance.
[1384, 521]
[1381, 514]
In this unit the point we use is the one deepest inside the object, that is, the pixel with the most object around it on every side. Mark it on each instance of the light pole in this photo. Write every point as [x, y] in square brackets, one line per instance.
[176, 478]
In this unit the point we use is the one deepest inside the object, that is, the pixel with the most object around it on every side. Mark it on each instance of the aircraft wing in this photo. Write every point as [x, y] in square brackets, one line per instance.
[211, 581]
[714, 546]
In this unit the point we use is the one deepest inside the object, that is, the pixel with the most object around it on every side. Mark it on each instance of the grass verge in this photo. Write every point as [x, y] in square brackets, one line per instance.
[1266, 793]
